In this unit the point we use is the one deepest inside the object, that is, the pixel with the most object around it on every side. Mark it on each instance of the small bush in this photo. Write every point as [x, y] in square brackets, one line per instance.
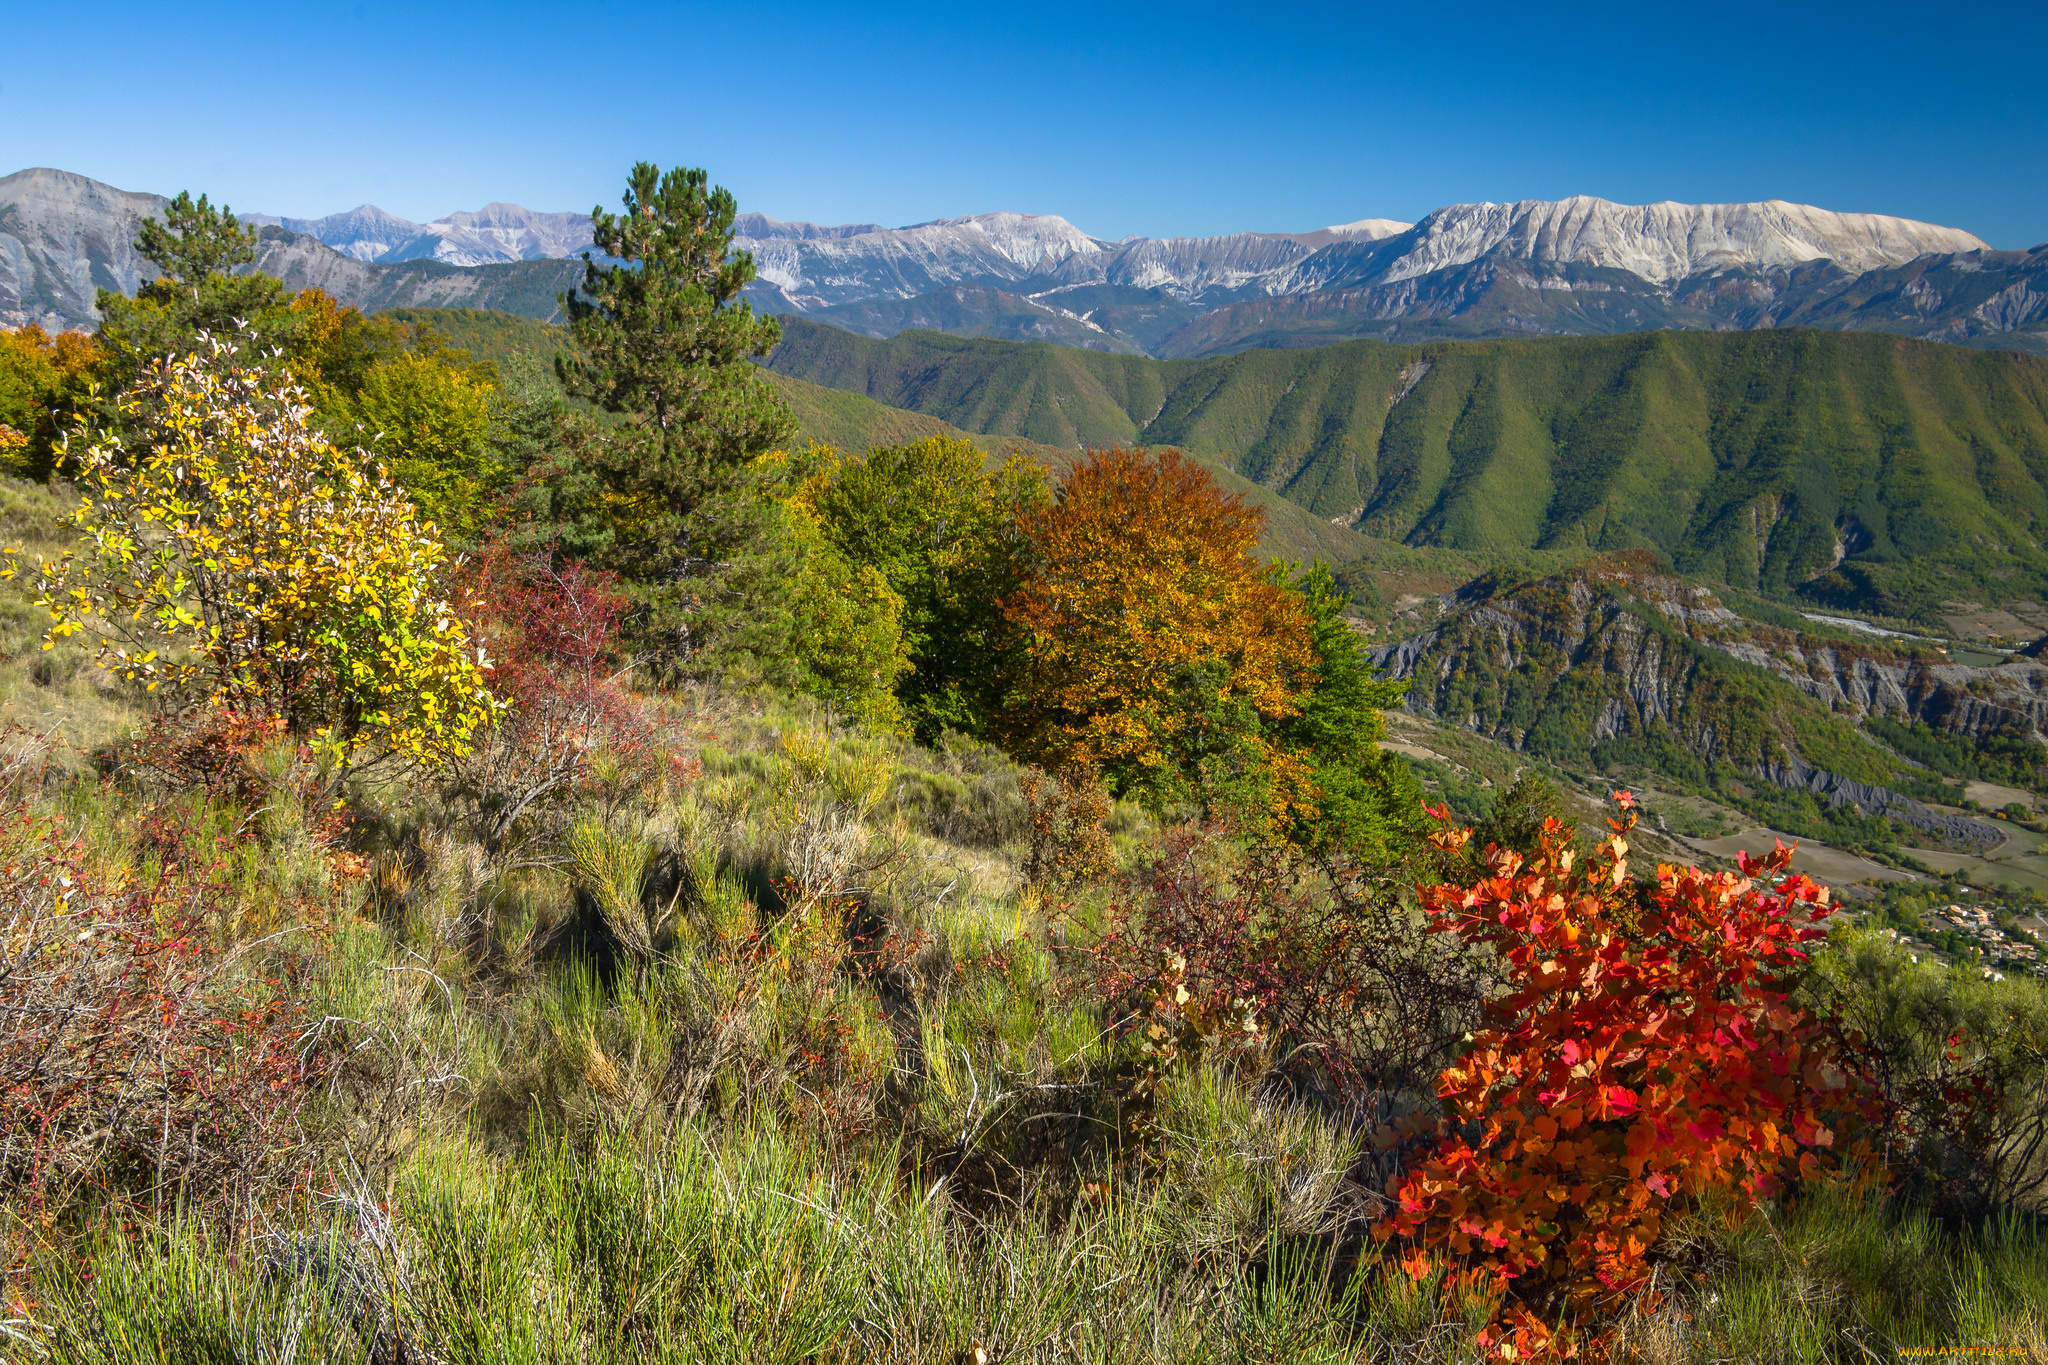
[229, 554]
[1962, 1066]
[1643, 1057]
[1325, 967]
[1068, 843]
[572, 734]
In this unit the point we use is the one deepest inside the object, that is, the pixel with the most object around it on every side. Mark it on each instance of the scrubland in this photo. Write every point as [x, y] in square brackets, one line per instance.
[771, 1053]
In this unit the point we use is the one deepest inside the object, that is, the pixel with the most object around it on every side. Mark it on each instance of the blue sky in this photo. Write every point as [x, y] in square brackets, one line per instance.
[1159, 120]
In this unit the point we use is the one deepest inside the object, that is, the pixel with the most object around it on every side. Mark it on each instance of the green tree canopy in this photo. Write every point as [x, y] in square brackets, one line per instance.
[195, 248]
[942, 530]
[193, 241]
[667, 341]
[1367, 802]
[1516, 817]
[847, 640]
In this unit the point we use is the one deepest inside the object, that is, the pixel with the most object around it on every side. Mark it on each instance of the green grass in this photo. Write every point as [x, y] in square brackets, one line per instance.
[550, 1160]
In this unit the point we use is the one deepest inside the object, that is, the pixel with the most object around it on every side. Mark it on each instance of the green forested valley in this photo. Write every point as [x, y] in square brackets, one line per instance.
[1755, 459]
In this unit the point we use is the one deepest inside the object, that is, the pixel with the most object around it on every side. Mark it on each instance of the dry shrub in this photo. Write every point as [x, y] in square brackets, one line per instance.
[1068, 843]
[212, 750]
[140, 1060]
[574, 737]
[1322, 966]
[970, 795]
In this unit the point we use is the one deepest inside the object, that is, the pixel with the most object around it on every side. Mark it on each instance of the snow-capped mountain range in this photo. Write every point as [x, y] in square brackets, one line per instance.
[1663, 243]
[815, 265]
[494, 233]
[1568, 266]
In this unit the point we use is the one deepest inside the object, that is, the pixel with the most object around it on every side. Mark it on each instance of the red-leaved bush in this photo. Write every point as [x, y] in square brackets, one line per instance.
[572, 730]
[1643, 1056]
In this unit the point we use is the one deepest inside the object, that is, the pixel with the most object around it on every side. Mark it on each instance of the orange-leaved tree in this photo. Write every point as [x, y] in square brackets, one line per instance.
[42, 379]
[1157, 647]
[1644, 1056]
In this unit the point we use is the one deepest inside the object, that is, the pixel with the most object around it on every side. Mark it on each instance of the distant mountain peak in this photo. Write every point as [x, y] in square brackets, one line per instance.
[1667, 242]
[1369, 229]
[368, 213]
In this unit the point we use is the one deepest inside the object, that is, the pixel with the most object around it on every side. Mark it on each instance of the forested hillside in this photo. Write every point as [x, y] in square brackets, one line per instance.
[1859, 470]
[852, 423]
[1614, 664]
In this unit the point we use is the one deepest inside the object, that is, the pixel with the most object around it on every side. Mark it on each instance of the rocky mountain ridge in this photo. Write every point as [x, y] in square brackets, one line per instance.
[1573, 616]
[1571, 267]
[494, 234]
[1562, 666]
[63, 237]
[1662, 243]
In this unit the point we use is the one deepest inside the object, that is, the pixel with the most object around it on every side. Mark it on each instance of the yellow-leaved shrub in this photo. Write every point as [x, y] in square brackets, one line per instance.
[228, 553]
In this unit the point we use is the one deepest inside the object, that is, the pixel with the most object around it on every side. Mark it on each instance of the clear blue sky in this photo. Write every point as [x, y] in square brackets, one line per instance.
[1160, 120]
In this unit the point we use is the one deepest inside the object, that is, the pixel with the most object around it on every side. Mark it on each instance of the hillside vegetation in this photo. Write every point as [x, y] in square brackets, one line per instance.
[1756, 459]
[1618, 668]
[541, 863]
[851, 423]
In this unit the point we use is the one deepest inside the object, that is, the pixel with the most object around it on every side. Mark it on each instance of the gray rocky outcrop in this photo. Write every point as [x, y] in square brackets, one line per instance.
[1637, 644]
[1795, 774]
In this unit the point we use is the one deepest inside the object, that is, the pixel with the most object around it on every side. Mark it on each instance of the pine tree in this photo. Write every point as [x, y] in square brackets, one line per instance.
[1367, 802]
[667, 341]
[195, 248]
[194, 241]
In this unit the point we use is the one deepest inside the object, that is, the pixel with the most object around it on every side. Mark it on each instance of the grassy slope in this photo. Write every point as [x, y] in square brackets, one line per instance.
[71, 703]
[561, 1195]
[1733, 455]
[487, 334]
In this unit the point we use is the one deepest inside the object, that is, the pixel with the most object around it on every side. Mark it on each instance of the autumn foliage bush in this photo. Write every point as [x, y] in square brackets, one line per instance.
[42, 377]
[228, 554]
[571, 732]
[1643, 1058]
[1068, 843]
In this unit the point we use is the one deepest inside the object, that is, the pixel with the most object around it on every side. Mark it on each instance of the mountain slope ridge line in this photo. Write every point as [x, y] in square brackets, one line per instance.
[1570, 267]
